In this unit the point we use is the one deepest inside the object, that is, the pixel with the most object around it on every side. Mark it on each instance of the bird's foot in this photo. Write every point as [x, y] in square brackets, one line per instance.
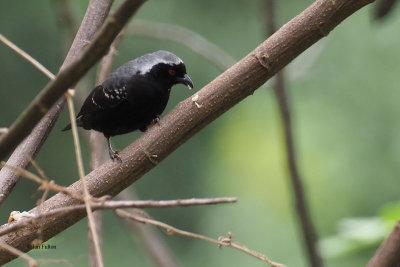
[156, 120]
[114, 155]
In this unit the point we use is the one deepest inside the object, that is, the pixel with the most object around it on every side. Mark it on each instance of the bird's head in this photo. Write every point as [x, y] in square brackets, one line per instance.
[165, 68]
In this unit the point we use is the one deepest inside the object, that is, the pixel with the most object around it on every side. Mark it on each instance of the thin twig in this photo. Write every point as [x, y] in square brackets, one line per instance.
[45, 184]
[97, 217]
[39, 170]
[86, 195]
[227, 242]
[116, 205]
[25, 55]
[31, 261]
[163, 203]
[308, 231]
[44, 178]
[53, 262]
[119, 204]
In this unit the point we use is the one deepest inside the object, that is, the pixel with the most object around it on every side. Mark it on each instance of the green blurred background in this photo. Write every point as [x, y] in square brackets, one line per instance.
[345, 98]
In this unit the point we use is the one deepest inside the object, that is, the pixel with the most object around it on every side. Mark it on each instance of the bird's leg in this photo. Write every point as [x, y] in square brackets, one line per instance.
[113, 154]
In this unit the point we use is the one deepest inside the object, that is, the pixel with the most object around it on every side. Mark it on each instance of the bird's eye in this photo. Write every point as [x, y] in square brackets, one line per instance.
[172, 72]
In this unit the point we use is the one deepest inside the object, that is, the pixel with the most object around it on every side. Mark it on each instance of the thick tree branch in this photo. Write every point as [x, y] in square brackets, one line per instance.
[307, 229]
[96, 13]
[67, 77]
[185, 120]
[388, 253]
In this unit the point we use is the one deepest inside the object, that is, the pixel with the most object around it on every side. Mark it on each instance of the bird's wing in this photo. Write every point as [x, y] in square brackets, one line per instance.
[105, 96]
[111, 95]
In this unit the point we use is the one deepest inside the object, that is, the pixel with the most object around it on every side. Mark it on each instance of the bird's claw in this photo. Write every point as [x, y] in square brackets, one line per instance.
[156, 120]
[114, 156]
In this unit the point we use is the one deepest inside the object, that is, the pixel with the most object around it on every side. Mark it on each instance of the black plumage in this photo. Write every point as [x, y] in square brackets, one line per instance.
[133, 96]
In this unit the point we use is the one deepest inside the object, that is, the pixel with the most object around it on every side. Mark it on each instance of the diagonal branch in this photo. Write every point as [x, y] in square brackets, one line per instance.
[67, 77]
[26, 56]
[388, 253]
[222, 241]
[119, 204]
[185, 120]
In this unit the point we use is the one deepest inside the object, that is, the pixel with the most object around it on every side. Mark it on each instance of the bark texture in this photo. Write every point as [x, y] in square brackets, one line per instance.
[388, 253]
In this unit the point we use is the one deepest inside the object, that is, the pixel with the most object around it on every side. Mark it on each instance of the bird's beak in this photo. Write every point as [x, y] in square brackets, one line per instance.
[186, 81]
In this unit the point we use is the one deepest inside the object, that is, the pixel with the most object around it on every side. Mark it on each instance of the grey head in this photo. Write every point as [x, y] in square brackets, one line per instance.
[143, 65]
[146, 62]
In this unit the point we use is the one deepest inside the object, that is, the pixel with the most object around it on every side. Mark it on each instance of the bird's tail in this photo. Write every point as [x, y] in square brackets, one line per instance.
[78, 123]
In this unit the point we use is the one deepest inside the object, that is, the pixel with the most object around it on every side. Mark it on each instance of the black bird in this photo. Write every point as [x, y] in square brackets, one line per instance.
[133, 96]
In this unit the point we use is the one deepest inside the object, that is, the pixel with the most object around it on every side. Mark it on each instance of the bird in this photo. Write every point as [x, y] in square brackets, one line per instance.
[133, 96]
